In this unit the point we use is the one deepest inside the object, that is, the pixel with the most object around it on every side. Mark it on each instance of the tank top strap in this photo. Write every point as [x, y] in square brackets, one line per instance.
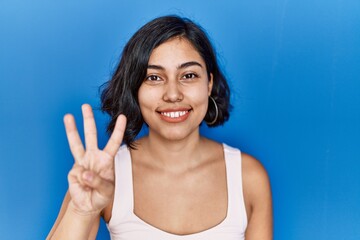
[236, 205]
[123, 196]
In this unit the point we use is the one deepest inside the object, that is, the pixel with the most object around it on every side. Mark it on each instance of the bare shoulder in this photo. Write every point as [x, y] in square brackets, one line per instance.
[256, 181]
[257, 195]
[253, 171]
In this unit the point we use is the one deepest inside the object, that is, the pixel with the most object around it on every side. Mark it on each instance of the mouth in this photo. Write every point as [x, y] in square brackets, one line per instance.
[174, 116]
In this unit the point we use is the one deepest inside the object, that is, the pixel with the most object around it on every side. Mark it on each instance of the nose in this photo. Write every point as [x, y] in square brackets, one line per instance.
[172, 92]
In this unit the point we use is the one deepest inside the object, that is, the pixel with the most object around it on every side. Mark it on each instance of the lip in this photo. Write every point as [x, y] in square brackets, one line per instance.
[177, 115]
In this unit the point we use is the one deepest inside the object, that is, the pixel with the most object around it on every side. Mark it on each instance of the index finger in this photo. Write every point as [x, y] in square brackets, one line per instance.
[117, 136]
[76, 146]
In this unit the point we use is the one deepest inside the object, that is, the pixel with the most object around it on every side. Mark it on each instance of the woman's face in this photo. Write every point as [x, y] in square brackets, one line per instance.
[174, 95]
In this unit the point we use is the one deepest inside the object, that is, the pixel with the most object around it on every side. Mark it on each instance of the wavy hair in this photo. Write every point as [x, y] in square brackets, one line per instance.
[120, 94]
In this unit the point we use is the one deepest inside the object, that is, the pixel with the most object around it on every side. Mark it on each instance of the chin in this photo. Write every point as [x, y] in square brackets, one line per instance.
[175, 134]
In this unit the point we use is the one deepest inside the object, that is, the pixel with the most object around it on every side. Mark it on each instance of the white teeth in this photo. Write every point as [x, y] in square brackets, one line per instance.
[174, 114]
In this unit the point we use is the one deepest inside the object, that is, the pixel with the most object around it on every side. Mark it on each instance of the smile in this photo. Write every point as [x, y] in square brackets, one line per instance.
[174, 114]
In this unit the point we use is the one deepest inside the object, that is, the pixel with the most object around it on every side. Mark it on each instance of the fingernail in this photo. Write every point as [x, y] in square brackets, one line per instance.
[88, 176]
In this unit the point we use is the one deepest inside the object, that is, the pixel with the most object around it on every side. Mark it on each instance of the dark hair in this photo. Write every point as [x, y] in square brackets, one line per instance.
[120, 94]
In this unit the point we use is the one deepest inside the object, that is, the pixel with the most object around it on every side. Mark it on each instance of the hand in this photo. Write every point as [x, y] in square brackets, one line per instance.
[91, 180]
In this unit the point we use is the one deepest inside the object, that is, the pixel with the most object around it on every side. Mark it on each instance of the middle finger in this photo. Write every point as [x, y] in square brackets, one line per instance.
[89, 127]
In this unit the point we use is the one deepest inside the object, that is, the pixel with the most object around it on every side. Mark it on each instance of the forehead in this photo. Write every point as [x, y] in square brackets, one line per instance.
[176, 50]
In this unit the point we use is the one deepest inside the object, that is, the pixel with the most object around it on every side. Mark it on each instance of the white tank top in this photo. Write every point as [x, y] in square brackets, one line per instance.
[125, 225]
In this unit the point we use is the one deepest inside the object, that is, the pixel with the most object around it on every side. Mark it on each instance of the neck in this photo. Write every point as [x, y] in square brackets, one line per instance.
[173, 155]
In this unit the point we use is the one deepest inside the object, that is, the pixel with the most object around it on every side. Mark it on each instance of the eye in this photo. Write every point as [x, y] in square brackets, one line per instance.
[190, 76]
[153, 78]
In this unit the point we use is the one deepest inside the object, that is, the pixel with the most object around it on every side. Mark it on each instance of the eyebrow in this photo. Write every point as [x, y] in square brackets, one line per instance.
[184, 65]
[189, 64]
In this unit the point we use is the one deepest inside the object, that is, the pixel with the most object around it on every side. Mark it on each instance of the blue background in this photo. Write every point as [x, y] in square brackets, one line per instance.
[294, 71]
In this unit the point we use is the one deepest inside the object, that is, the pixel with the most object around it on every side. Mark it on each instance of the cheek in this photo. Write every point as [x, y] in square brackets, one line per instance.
[200, 95]
[143, 99]
[147, 97]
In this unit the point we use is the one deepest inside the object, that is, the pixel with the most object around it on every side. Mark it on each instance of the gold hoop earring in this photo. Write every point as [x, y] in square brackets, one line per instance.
[216, 112]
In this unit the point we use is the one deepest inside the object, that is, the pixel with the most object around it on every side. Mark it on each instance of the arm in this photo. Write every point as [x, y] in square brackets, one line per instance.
[257, 196]
[91, 179]
[60, 219]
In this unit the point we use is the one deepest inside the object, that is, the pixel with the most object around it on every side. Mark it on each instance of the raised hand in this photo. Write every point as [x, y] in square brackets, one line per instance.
[91, 180]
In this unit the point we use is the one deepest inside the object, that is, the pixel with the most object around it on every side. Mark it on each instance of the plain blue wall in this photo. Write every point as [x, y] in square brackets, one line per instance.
[294, 70]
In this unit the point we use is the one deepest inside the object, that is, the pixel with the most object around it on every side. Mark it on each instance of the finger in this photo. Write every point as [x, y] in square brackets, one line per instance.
[103, 187]
[72, 134]
[89, 127]
[117, 136]
[75, 175]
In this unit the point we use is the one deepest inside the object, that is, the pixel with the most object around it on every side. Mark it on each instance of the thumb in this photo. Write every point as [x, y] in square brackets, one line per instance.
[104, 187]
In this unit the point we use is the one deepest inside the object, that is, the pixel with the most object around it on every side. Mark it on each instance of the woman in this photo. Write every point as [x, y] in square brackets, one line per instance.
[173, 183]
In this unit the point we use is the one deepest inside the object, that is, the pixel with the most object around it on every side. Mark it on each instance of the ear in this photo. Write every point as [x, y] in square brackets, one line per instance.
[210, 84]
